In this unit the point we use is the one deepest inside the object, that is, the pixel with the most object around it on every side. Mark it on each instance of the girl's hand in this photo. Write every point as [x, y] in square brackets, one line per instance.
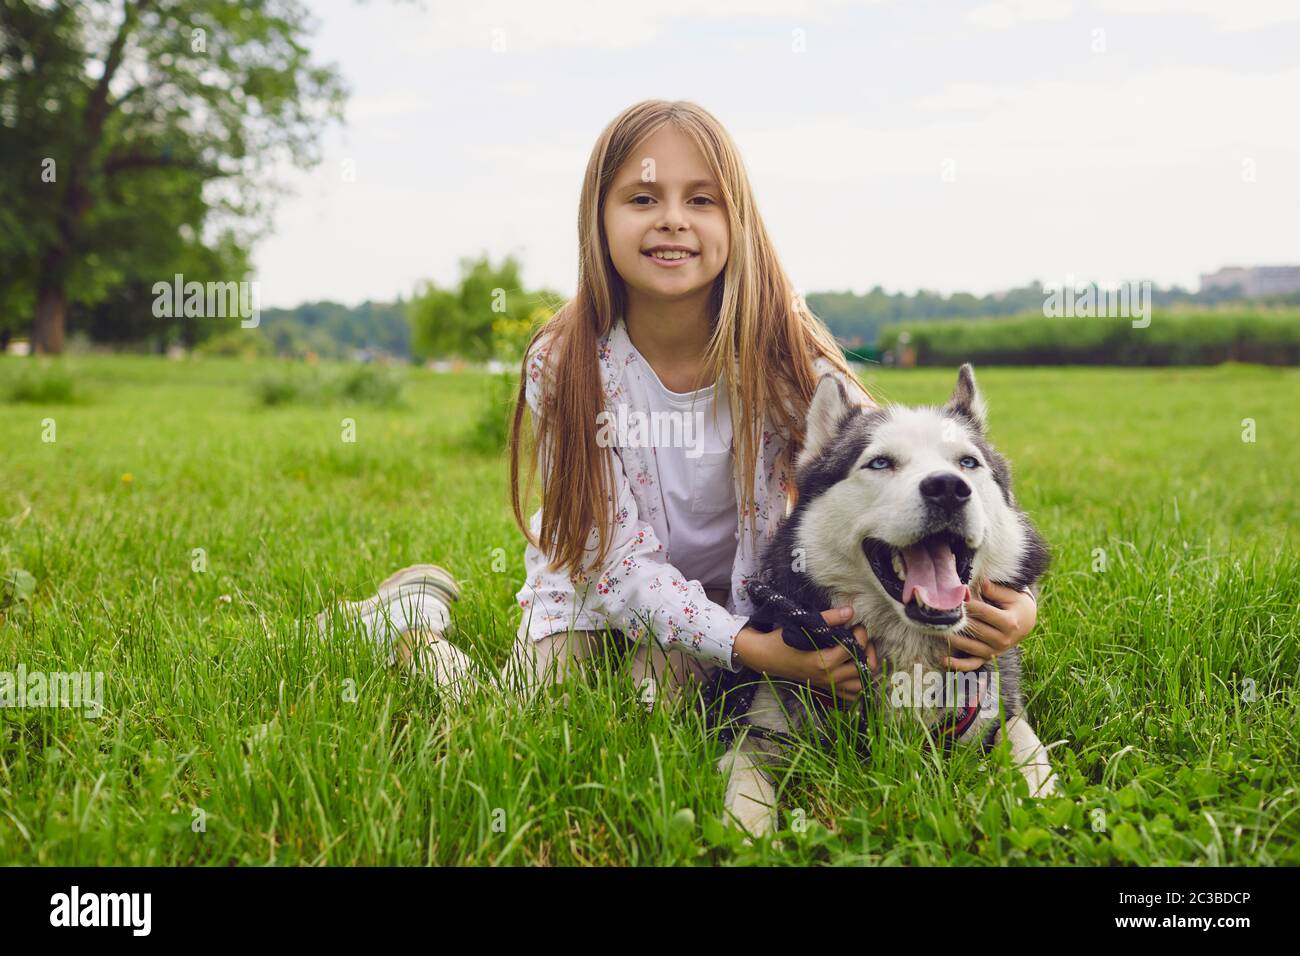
[991, 630]
[832, 670]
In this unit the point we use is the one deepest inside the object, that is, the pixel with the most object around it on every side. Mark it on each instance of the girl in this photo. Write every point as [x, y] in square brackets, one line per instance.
[683, 315]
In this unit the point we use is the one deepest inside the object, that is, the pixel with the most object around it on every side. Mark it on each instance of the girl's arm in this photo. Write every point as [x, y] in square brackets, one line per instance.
[637, 588]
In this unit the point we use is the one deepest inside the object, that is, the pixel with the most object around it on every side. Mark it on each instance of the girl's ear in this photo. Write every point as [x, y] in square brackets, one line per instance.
[828, 407]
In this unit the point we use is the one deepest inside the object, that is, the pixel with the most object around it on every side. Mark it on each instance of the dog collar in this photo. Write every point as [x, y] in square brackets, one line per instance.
[955, 724]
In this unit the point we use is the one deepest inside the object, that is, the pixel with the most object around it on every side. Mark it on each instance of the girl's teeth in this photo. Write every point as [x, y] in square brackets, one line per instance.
[671, 255]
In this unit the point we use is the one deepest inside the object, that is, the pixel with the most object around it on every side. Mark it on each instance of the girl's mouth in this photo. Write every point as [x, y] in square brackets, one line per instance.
[670, 258]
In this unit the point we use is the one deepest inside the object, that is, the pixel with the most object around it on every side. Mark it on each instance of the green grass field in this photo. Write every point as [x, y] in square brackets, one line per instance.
[232, 734]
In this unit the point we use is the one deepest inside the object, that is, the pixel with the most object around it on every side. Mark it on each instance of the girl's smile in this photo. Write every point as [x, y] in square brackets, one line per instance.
[670, 256]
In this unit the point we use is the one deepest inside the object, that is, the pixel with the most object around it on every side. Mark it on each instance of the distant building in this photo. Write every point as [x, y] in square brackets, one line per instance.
[1254, 280]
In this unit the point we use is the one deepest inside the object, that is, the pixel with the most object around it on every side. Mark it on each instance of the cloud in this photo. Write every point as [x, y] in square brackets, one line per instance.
[384, 106]
[1165, 110]
[1125, 164]
[1153, 119]
[1004, 14]
[1224, 14]
[612, 25]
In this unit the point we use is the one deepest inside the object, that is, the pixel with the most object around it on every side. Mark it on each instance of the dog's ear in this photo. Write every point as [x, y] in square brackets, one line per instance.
[967, 400]
[828, 406]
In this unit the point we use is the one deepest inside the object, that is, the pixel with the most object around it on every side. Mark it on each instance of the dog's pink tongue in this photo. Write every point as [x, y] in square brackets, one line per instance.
[932, 572]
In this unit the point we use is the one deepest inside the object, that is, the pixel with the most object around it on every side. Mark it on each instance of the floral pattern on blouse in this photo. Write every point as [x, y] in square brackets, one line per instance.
[637, 589]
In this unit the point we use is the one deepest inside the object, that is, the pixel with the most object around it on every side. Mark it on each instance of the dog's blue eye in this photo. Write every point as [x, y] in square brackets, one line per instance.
[969, 462]
[879, 463]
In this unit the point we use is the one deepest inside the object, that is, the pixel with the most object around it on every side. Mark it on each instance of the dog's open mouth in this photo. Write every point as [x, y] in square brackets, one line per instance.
[929, 578]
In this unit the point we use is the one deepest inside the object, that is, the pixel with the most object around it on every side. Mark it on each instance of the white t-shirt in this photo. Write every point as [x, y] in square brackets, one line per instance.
[697, 480]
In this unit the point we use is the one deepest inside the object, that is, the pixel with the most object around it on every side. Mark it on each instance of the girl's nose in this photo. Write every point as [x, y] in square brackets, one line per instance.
[672, 217]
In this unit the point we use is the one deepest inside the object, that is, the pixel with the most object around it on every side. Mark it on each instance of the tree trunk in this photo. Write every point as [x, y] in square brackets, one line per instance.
[51, 283]
[47, 329]
[51, 289]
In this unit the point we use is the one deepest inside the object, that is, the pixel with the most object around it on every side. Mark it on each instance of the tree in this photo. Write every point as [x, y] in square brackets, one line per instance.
[460, 321]
[135, 132]
[125, 312]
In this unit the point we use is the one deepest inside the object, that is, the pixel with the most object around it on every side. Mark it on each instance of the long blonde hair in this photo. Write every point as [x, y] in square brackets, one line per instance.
[759, 319]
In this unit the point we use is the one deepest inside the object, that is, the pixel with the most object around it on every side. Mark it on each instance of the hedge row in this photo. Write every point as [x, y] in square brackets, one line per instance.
[1269, 337]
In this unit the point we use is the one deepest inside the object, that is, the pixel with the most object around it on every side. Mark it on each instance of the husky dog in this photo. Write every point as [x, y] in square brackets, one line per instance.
[899, 511]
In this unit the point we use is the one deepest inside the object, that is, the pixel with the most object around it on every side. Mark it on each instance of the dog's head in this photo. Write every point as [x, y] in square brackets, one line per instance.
[910, 505]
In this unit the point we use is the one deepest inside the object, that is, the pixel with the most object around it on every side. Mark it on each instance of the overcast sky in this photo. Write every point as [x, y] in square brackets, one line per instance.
[948, 146]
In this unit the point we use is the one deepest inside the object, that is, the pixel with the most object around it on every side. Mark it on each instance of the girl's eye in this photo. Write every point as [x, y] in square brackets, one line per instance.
[880, 463]
[969, 462]
[643, 199]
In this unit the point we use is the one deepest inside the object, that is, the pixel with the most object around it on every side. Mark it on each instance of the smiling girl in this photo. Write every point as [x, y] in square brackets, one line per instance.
[682, 309]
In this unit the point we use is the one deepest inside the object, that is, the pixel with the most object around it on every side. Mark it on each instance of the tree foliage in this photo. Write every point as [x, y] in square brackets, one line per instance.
[480, 318]
[139, 140]
[331, 330]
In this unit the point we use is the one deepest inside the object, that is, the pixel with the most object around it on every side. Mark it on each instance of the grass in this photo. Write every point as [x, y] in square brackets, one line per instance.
[230, 734]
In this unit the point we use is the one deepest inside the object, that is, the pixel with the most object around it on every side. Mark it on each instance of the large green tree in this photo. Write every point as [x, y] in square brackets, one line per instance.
[138, 137]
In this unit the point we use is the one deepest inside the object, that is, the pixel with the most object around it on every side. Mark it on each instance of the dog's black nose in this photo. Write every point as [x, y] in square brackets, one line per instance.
[945, 490]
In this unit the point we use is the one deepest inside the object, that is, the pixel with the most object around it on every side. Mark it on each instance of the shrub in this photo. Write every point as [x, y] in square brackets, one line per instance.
[295, 383]
[1269, 337]
[491, 429]
[279, 388]
[41, 383]
[370, 384]
[236, 343]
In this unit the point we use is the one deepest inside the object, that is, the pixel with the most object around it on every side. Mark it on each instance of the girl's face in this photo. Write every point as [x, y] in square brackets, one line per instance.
[665, 221]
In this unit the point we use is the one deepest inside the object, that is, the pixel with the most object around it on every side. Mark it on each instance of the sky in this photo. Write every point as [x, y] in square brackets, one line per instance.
[949, 146]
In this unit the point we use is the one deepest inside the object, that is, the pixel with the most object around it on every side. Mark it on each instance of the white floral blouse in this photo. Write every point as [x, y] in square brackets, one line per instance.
[637, 588]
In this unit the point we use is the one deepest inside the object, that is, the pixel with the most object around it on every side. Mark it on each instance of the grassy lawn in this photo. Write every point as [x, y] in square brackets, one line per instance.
[1165, 659]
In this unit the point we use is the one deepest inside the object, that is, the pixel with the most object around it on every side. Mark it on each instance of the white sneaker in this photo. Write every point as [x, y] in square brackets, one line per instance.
[444, 662]
[413, 599]
[438, 576]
